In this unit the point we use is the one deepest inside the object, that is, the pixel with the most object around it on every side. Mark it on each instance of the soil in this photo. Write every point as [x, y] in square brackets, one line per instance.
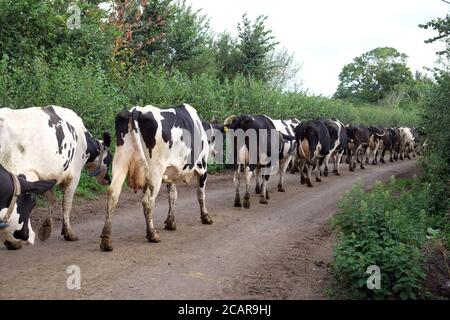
[277, 251]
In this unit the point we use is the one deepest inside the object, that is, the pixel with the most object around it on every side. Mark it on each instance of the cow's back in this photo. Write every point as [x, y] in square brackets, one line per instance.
[167, 140]
[47, 141]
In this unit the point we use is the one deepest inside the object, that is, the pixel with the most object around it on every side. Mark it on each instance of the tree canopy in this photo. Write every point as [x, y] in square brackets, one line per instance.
[373, 75]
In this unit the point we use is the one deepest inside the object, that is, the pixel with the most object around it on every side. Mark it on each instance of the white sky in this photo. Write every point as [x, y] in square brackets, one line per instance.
[325, 35]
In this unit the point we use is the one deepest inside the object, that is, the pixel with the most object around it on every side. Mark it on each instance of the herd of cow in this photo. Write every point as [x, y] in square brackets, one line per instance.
[44, 147]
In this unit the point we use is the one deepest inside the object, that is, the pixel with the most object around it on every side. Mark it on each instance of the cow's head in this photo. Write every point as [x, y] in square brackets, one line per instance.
[98, 165]
[18, 227]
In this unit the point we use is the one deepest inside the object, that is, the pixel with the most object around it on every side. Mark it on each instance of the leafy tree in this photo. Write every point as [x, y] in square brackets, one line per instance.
[228, 56]
[256, 43]
[442, 26]
[35, 28]
[373, 75]
[187, 43]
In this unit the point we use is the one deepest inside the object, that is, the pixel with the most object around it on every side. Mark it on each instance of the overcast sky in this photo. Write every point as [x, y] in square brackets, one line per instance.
[325, 35]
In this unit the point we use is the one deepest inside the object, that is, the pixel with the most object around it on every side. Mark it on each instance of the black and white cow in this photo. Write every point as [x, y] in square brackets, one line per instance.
[17, 200]
[261, 146]
[390, 143]
[358, 143]
[154, 146]
[313, 146]
[52, 143]
[376, 140]
[287, 151]
[338, 144]
[407, 143]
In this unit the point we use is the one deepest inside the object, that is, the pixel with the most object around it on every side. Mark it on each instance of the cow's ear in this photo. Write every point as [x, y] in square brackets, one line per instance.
[39, 186]
[106, 139]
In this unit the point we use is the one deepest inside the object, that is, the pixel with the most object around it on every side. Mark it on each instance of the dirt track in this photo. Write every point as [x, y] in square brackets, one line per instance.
[277, 251]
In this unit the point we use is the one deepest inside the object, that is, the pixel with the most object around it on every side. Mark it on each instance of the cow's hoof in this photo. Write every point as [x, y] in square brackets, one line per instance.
[337, 174]
[237, 203]
[45, 230]
[263, 201]
[13, 245]
[153, 237]
[69, 235]
[170, 225]
[281, 189]
[309, 184]
[382, 161]
[247, 203]
[106, 245]
[206, 219]
[258, 189]
[318, 179]
[325, 172]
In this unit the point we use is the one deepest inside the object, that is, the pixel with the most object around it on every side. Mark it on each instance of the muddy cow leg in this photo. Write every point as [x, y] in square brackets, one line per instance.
[148, 204]
[258, 185]
[303, 171]
[170, 224]
[114, 191]
[308, 176]
[237, 183]
[46, 228]
[364, 153]
[201, 187]
[338, 163]
[264, 191]
[283, 169]
[319, 168]
[325, 171]
[248, 178]
[69, 192]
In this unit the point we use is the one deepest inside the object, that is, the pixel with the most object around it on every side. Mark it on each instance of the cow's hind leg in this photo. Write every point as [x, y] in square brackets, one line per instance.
[69, 192]
[283, 169]
[258, 185]
[237, 182]
[170, 224]
[114, 191]
[264, 192]
[327, 160]
[201, 199]
[148, 204]
[248, 176]
[338, 163]
[46, 227]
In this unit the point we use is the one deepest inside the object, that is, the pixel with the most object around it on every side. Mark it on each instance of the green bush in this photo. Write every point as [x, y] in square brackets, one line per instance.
[385, 227]
[97, 97]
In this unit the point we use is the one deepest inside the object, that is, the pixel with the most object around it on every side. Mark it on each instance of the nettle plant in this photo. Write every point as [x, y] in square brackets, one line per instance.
[385, 227]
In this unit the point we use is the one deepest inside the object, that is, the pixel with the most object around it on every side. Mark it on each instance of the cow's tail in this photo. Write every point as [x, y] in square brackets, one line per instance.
[137, 139]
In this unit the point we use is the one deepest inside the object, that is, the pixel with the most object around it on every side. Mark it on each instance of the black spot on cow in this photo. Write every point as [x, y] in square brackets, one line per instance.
[21, 148]
[148, 127]
[55, 122]
[181, 118]
[203, 180]
[121, 125]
